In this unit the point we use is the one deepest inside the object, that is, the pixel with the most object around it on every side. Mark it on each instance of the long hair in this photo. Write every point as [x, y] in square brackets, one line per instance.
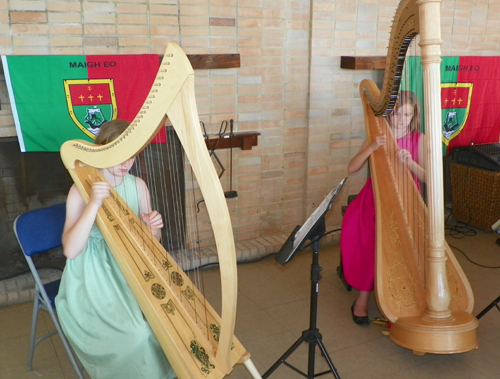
[408, 97]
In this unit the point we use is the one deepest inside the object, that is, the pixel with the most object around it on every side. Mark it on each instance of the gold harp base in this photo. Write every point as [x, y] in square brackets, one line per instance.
[421, 334]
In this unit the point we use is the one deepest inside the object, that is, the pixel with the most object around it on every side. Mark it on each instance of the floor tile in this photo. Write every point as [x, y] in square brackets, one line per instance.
[274, 309]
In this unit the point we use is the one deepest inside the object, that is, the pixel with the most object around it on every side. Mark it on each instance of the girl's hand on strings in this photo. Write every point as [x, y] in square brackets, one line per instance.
[153, 220]
[404, 156]
[100, 191]
[379, 141]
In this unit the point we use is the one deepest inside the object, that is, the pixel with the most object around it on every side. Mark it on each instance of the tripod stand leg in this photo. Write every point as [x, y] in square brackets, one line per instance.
[283, 357]
[327, 358]
[311, 360]
[494, 303]
[312, 335]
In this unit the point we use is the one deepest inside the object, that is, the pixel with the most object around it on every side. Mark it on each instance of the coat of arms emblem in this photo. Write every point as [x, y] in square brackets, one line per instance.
[455, 106]
[91, 102]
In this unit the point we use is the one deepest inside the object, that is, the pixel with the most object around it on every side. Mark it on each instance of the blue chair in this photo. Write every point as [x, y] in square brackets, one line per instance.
[39, 231]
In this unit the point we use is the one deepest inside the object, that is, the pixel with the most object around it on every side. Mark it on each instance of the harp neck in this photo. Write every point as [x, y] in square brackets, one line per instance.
[404, 29]
[174, 71]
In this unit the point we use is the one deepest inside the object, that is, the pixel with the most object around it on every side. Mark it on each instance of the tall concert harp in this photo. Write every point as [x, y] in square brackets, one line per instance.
[196, 340]
[420, 287]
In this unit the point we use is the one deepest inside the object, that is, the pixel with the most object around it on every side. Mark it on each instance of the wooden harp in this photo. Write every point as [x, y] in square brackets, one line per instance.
[196, 340]
[419, 285]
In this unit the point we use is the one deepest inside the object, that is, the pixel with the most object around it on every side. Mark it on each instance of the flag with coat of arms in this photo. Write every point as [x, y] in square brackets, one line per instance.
[470, 99]
[55, 98]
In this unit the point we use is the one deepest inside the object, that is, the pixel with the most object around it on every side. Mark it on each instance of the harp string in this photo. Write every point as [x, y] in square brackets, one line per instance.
[411, 199]
[145, 170]
[417, 222]
[169, 186]
[196, 256]
[405, 179]
[144, 235]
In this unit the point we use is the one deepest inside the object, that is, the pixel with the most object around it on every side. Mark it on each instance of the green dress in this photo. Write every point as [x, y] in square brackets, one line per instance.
[100, 316]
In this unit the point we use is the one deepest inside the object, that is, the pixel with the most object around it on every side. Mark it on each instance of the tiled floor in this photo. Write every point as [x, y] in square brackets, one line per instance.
[273, 310]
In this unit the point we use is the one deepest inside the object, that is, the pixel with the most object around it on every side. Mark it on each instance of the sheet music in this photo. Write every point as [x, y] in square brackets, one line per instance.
[320, 211]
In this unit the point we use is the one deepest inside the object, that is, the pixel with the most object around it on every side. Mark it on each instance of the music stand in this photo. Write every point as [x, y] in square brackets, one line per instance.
[494, 303]
[313, 230]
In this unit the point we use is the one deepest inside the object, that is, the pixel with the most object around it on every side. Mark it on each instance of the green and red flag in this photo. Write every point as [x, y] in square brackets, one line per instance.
[61, 97]
[469, 92]
[470, 99]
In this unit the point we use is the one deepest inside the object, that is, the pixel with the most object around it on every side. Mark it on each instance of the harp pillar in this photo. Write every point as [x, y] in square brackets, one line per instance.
[439, 329]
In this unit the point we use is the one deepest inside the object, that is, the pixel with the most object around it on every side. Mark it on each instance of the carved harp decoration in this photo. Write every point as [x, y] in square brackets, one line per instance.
[197, 341]
[419, 285]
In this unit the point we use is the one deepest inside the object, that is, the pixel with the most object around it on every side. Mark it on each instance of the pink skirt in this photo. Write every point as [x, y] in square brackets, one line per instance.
[357, 240]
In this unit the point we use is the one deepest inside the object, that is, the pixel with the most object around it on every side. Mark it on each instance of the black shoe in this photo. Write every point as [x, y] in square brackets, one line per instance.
[360, 320]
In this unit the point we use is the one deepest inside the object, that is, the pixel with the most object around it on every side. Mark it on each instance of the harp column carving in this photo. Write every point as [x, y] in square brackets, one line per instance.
[441, 328]
[419, 285]
[437, 290]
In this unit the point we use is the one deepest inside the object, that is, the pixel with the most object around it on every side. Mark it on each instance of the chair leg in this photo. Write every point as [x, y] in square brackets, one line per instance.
[340, 273]
[78, 369]
[34, 321]
[340, 269]
[34, 342]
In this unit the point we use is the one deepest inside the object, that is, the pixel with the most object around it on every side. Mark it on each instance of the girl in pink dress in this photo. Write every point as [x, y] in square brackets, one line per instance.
[357, 239]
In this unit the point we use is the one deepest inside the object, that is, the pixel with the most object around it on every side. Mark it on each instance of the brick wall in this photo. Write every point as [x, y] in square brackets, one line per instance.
[290, 86]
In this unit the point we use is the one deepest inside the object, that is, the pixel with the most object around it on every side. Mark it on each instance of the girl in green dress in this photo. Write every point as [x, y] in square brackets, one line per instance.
[96, 307]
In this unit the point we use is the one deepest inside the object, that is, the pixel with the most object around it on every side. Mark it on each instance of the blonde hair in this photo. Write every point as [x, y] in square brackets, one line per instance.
[110, 130]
